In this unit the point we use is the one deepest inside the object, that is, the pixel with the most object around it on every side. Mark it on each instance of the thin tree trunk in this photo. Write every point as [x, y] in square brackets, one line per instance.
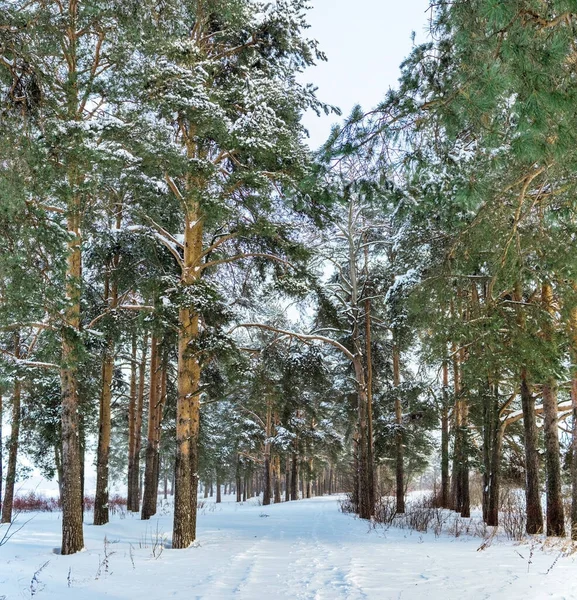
[369, 361]
[399, 450]
[492, 444]
[532, 486]
[445, 482]
[555, 516]
[277, 480]
[266, 497]
[135, 489]
[574, 458]
[287, 481]
[149, 498]
[534, 512]
[101, 513]
[218, 486]
[1, 451]
[573, 334]
[238, 480]
[132, 424]
[456, 495]
[13, 445]
[294, 478]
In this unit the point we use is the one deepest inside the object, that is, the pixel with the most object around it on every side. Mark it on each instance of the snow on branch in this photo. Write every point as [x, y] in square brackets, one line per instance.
[299, 336]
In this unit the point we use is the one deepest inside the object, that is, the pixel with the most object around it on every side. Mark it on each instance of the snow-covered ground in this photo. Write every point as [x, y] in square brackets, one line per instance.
[297, 550]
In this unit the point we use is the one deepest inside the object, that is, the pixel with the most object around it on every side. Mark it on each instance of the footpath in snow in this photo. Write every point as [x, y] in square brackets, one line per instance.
[298, 550]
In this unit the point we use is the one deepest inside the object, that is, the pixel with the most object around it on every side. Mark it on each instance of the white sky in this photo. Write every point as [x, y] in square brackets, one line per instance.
[365, 42]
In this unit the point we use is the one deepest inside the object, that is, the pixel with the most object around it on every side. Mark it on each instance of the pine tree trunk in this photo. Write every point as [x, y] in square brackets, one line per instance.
[101, 513]
[492, 444]
[365, 507]
[445, 482]
[134, 466]
[456, 481]
[149, 499]
[218, 486]
[132, 426]
[495, 481]
[277, 480]
[12, 449]
[532, 487]
[294, 478]
[72, 466]
[1, 451]
[399, 450]
[573, 338]
[534, 512]
[464, 463]
[555, 516]
[188, 403]
[369, 369]
[266, 497]
[72, 499]
[238, 480]
[574, 457]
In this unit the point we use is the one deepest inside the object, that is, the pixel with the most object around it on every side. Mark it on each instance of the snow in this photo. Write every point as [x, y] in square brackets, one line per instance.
[298, 550]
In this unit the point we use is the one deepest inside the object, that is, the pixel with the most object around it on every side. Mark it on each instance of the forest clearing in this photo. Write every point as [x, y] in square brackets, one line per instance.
[217, 324]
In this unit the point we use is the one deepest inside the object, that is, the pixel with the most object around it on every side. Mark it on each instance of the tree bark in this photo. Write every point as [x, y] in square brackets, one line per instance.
[1, 451]
[71, 500]
[445, 480]
[573, 337]
[188, 402]
[399, 450]
[267, 462]
[532, 486]
[534, 512]
[277, 480]
[132, 425]
[574, 458]
[149, 499]
[369, 368]
[218, 486]
[101, 513]
[134, 465]
[492, 444]
[294, 493]
[555, 516]
[13, 444]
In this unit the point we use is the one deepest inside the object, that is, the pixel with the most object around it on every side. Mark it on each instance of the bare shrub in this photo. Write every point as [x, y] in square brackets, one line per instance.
[476, 490]
[155, 540]
[419, 518]
[385, 510]
[346, 504]
[513, 518]
[36, 585]
[104, 563]
[33, 502]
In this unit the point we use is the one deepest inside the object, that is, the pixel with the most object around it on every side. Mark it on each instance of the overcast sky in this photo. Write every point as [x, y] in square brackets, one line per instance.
[365, 42]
